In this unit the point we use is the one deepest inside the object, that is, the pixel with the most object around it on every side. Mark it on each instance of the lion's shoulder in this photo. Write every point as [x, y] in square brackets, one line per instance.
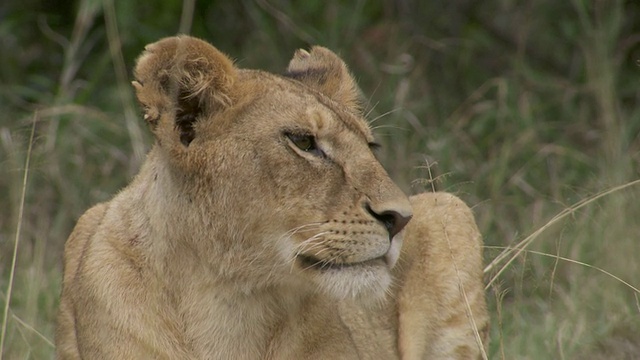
[84, 230]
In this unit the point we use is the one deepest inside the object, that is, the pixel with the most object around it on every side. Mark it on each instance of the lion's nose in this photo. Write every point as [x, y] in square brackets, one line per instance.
[393, 220]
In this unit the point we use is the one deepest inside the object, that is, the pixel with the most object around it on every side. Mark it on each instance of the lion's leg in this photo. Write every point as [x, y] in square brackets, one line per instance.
[441, 300]
[66, 345]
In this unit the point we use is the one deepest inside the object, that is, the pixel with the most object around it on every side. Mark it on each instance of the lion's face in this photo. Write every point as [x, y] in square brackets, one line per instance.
[276, 176]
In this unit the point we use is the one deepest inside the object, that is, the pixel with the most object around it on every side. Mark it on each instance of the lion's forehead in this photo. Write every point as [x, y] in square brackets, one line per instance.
[307, 107]
[327, 120]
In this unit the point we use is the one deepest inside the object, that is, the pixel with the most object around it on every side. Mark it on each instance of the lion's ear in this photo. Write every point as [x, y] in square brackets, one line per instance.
[324, 71]
[178, 79]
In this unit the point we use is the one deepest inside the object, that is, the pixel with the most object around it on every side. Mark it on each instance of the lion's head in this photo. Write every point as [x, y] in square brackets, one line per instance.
[268, 180]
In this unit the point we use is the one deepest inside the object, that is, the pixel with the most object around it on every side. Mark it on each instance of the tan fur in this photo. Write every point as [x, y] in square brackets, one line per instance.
[261, 227]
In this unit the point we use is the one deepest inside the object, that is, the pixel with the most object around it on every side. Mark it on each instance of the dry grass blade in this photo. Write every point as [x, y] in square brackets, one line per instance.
[34, 330]
[513, 252]
[115, 49]
[286, 21]
[186, 19]
[635, 289]
[25, 178]
[499, 295]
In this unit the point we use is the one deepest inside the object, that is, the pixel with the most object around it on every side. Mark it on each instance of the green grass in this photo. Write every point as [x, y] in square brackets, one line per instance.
[527, 111]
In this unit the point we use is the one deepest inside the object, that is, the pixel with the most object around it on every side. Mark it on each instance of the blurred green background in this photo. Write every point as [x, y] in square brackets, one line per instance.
[527, 110]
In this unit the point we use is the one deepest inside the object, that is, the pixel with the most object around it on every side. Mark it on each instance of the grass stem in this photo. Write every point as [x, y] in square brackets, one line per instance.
[5, 317]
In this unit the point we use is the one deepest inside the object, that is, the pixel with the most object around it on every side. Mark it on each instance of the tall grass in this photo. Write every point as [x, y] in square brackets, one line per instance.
[16, 241]
[527, 111]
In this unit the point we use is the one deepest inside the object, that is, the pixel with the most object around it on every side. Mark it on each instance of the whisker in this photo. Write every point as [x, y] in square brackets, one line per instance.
[383, 115]
[306, 245]
[299, 228]
[366, 115]
[286, 238]
[383, 126]
[369, 98]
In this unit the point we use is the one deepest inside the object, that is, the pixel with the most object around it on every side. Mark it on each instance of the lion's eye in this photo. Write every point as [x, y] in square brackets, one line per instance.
[306, 143]
[303, 142]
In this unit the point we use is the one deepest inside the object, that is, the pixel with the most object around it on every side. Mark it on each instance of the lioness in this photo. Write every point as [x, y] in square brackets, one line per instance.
[261, 226]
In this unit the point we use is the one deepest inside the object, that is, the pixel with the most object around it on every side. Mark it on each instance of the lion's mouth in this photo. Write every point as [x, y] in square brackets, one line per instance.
[311, 262]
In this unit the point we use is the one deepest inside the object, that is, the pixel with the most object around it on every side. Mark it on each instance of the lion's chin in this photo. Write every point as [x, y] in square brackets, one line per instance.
[364, 282]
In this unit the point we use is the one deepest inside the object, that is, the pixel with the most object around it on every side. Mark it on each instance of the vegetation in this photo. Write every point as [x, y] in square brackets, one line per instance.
[528, 110]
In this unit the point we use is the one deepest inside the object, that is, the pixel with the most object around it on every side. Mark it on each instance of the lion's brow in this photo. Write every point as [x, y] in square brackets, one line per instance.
[345, 117]
[361, 130]
[350, 122]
